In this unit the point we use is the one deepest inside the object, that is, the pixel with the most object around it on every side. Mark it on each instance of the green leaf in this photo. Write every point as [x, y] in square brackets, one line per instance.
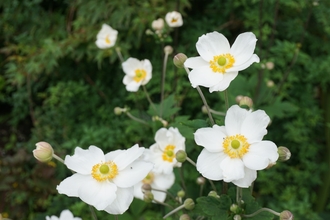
[213, 207]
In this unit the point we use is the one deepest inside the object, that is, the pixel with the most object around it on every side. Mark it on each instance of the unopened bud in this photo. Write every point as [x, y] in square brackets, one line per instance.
[189, 204]
[158, 24]
[181, 156]
[200, 180]
[270, 65]
[149, 32]
[146, 187]
[234, 208]
[44, 151]
[156, 118]
[213, 194]
[286, 215]
[118, 110]
[245, 100]
[284, 153]
[179, 60]
[184, 217]
[204, 109]
[270, 83]
[148, 196]
[168, 49]
[238, 98]
[237, 217]
[181, 194]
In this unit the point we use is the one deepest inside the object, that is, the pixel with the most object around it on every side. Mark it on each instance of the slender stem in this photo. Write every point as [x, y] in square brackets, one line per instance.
[92, 212]
[163, 83]
[239, 196]
[58, 158]
[164, 191]
[262, 210]
[116, 217]
[136, 119]
[149, 100]
[212, 185]
[226, 99]
[217, 113]
[201, 190]
[119, 54]
[174, 211]
[182, 179]
[190, 161]
[162, 203]
[224, 187]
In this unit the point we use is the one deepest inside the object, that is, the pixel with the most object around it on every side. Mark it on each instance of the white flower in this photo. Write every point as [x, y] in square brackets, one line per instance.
[65, 215]
[235, 152]
[137, 73]
[106, 37]
[174, 19]
[162, 153]
[158, 24]
[105, 181]
[218, 63]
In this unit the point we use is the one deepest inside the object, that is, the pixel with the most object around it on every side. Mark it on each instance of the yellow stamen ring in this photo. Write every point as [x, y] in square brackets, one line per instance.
[168, 154]
[107, 40]
[174, 20]
[221, 63]
[104, 171]
[140, 74]
[149, 178]
[235, 146]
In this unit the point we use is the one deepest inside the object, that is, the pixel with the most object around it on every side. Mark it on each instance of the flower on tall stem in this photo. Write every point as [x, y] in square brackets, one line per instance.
[236, 151]
[163, 152]
[106, 37]
[137, 73]
[65, 215]
[105, 181]
[218, 63]
[174, 19]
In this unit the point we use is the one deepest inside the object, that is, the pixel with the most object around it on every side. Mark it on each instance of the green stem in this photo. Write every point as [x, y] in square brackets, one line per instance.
[212, 185]
[217, 113]
[226, 99]
[163, 83]
[136, 119]
[174, 211]
[190, 161]
[92, 212]
[162, 203]
[58, 158]
[262, 210]
[164, 191]
[149, 100]
[119, 54]
[239, 196]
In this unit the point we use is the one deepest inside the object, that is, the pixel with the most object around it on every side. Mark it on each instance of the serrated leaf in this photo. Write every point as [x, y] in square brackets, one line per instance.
[214, 207]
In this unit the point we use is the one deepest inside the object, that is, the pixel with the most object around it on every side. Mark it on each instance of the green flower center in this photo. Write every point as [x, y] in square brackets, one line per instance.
[104, 169]
[222, 61]
[235, 144]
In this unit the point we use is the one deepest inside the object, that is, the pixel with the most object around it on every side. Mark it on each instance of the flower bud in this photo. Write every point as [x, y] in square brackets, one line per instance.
[284, 153]
[148, 196]
[238, 98]
[270, 65]
[189, 204]
[149, 32]
[168, 49]
[44, 151]
[158, 24]
[237, 217]
[184, 217]
[179, 60]
[181, 194]
[200, 180]
[146, 187]
[118, 110]
[270, 83]
[213, 194]
[181, 156]
[234, 208]
[286, 215]
[246, 101]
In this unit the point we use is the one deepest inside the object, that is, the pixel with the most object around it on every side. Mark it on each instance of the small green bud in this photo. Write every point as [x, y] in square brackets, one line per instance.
[118, 110]
[181, 156]
[179, 60]
[284, 153]
[213, 194]
[43, 152]
[270, 83]
[146, 187]
[181, 194]
[184, 217]
[237, 217]
[200, 180]
[234, 208]
[286, 215]
[247, 101]
[189, 204]
[168, 49]
[204, 109]
[148, 196]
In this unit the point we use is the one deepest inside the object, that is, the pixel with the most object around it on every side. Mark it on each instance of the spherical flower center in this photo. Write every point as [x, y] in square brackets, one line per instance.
[174, 20]
[139, 75]
[222, 62]
[235, 146]
[104, 171]
[149, 178]
[168, 154]
[107, 40]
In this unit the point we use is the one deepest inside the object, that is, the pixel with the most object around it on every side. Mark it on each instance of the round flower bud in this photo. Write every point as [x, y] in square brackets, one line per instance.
[270, 83]
[184, 217]
[237, 217]
[44, 151]
[181, 156]
[213, 194]
[204, 109]
[158, 24]
[148, 196]
[270, 65]
[168, 49]
[181, 194]
[200, 180]
[238, 98]
[286, 215]
[234, 208]
[284, 153]
[245, 100]
[118, 110]
[149, 32]
[146, 187]
[179, 60]
[189, 204]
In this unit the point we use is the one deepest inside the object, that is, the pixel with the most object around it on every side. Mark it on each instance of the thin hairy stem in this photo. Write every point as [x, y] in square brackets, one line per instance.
[190, 161]
[136, 119]
[174, 211]
[58, 158]
[262, 210]
[162, 203]
[163, 84]
[92, 212]
[120, 56]
[149, 99]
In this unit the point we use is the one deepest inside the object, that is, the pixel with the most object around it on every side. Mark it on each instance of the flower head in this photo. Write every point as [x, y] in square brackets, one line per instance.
[174, 19]
[137, 73]
[105, 181]
[106, 37]
[235, 152]
[65, 215]
[163, 152]
[218, 63]
[158, 24]
[44, 151]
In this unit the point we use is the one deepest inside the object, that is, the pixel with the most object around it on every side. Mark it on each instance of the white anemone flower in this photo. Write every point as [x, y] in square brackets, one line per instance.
[106, 37]
[137, 73]
[218, 63]
[105, 181]
[236, 151]
[65, 215]
[163, 152]
[174, 19]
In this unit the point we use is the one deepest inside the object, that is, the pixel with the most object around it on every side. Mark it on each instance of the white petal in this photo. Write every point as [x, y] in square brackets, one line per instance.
[254, 126]
[254, 58]
[163, 181]
[71, 185]
[130, 65]
[128, 156]
[159, 196]
[212, 44]
[232, 169]
[100, 43]
[133, 174]
[171, 136]
[97, 194]
[243, 47]
[208, 164]
[246, 181]
[133, 86]
[195, 62]
[82, 161]
[210, 138]
[204, 76]
[122, 202]
[234, 119]
[138, 190]
[224, 83]
[67, 215]
[260, 155]
[146, 65]
[113, 154]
